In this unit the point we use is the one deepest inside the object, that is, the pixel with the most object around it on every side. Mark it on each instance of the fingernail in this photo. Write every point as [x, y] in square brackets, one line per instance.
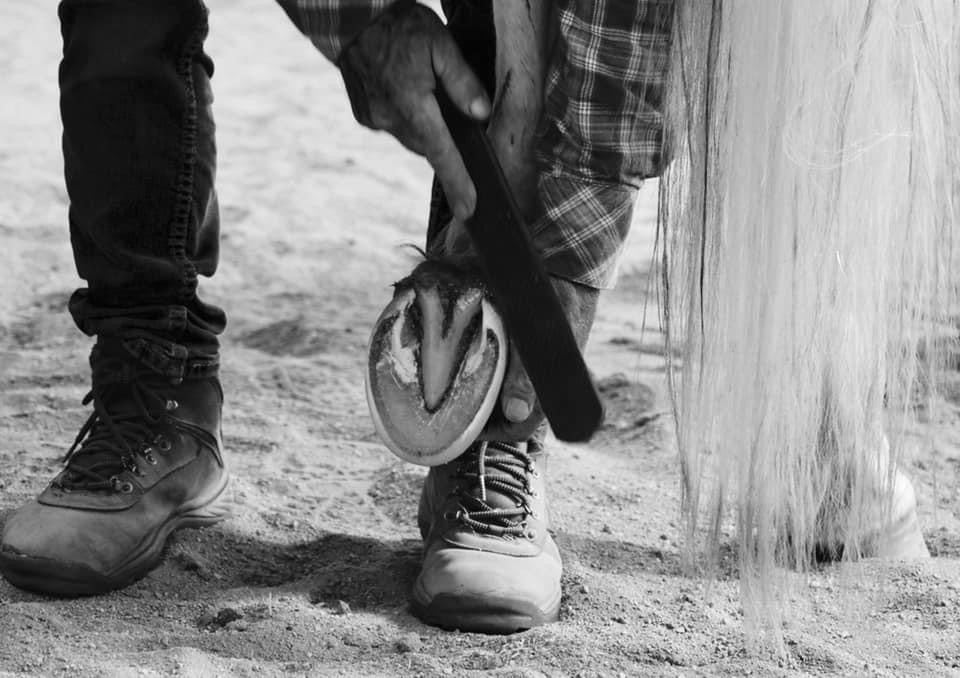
[517, 410]
[479, 108]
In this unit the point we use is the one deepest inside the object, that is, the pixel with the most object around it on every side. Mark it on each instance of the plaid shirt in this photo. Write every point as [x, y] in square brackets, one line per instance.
[601, 131]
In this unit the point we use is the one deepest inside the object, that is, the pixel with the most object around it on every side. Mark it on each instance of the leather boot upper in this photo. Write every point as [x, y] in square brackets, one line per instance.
[148, 455]
[488, 555]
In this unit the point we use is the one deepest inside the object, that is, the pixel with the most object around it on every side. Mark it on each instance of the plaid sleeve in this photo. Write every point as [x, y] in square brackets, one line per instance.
[601, 131]
[332, 24]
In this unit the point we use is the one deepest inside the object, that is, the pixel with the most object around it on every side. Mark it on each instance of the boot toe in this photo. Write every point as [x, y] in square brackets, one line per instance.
[55, 551]
[487, 591]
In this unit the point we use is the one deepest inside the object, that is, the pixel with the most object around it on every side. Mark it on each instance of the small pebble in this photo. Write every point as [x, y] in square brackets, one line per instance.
[210, 619]
[227, 615]
[207, 618]
[409, 642]
[188, 562]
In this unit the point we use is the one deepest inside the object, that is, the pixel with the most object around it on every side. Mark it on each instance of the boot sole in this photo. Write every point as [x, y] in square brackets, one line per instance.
[482, 615]
[66, 579]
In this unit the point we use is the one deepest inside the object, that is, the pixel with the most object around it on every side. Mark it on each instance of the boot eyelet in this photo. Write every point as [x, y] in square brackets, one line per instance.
[126, 487]
[148, 455]
[162, 443]
[530, 534]
[171, 405]
[452, 516]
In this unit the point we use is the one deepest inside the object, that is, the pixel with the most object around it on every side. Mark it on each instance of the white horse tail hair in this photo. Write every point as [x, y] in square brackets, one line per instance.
[808, 242]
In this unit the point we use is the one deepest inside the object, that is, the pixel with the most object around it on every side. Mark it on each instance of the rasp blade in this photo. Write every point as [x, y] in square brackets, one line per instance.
[522, 290]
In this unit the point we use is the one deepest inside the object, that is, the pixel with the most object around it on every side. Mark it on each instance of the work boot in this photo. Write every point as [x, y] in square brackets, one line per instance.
[146, 462]
[489, 563]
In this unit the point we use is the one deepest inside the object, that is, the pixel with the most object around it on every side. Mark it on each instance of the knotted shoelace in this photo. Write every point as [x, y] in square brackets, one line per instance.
[109, 443]
[497, 467]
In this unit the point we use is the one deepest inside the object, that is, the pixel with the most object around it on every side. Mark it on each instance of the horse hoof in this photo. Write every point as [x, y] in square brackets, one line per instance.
[436, 362]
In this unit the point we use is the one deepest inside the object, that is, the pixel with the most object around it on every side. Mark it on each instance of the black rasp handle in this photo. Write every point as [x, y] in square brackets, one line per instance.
[522, 290]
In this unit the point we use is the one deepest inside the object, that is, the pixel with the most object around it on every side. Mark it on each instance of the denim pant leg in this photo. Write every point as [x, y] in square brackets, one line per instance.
[139, 161]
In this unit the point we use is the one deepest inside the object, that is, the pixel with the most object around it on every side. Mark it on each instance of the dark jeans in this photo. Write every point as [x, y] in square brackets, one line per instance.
[139, 161]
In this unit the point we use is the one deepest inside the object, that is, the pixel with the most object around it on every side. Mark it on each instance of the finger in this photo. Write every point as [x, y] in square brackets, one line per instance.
[458, 79]
[517, 397]
[437, 146]
[499, 429]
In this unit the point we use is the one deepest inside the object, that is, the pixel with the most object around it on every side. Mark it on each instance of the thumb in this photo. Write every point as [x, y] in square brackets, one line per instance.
[517, 396]
[457, 78]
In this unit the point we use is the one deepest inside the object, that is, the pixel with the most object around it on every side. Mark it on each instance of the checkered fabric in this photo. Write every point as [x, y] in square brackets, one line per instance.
[332, 24]
[601, 131]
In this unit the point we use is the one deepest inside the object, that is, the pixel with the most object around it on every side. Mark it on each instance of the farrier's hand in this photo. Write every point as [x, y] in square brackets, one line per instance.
[520, 413]
[392, 71]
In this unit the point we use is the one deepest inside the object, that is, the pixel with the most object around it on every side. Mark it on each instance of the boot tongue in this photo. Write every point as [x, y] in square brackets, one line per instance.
[500, 494]
[105, 445]
[116, 370]
[495, 499]
[127, 391]
[128, 387]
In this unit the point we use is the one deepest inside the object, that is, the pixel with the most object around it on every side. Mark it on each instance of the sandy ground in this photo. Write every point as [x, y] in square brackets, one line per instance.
[311, 575]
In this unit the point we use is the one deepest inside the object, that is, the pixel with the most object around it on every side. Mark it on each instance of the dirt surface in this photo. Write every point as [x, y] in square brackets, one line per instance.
[311, 575]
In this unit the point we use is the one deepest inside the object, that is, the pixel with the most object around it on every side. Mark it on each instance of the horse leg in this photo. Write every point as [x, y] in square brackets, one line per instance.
[803, 259]
[429, 397]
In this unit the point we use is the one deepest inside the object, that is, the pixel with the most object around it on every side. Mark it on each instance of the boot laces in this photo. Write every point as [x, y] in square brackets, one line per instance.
[109, 443]
[501, 468]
